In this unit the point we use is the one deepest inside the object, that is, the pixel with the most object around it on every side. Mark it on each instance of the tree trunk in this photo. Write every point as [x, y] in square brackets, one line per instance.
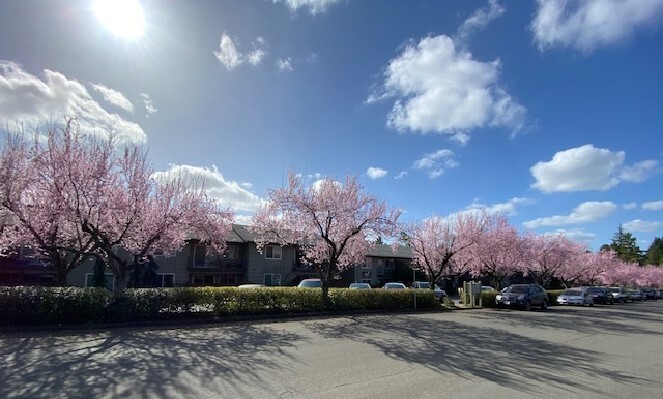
[61, 276]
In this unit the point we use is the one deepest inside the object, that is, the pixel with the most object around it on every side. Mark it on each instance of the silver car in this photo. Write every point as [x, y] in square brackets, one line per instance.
[360, 286]
[575, 296]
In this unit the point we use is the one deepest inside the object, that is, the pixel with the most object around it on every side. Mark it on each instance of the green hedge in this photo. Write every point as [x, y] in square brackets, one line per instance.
[24, 306]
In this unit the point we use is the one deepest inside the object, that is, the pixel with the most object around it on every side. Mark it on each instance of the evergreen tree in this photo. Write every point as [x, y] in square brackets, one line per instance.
[654, 254]
[626, 247]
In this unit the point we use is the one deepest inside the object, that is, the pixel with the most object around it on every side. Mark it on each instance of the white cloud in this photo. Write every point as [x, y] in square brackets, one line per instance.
[228, 193]
[255, 57]
[576, 234]
[231, 57]
[653, 206]
[642, 226]
[588, 168]
[114, 97]
[376, 172]
[314, 6]
[585, 25]
[441, 89]
[436, 162]
[630, 205]
[479, 19]
[26, 98]
[639, 172]
[508, 208]
[228, 54]
[400, 175]
[149, 104]
[586, 212]
[284, 64]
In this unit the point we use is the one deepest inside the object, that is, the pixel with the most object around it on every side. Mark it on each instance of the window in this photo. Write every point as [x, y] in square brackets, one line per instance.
[273, 252]
[389, 264]
[232, 252]
[272, 279]
[165, 280]
[378, 262]
[109, 280]
[199, 255]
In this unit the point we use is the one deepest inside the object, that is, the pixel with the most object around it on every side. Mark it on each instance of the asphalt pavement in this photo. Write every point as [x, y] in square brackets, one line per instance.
[570, 352]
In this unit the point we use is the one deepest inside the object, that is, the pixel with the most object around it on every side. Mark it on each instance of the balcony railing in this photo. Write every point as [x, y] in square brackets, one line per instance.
[219, 265]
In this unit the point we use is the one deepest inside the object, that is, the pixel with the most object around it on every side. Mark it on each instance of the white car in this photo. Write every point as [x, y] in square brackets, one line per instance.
[438, 292]
[310, 283]
[394, 286]
[360, 286]
[575, 296]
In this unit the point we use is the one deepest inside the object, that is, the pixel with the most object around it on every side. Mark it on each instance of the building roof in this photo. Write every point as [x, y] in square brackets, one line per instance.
[240, 233]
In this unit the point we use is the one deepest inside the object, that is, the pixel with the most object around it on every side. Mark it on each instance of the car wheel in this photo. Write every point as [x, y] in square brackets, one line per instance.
[591, 304]
[544, 305]
[528, 305]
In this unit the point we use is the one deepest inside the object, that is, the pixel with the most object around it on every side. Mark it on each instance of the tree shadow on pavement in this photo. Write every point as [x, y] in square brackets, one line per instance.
[506, 358]
[142, 363]
[604, 319]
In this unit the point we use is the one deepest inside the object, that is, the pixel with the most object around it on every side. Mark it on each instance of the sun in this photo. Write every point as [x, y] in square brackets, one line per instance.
[124, 18]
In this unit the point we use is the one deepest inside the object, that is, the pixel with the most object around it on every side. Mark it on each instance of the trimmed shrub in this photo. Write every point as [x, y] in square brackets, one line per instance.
[552, 296]
[488, 299]
[25, 306]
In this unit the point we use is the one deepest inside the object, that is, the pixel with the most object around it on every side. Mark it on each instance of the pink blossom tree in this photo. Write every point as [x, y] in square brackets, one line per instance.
[129, 210]
[74, 196]
[439, 245]
[334, 225]
[548, 255]
[623, 273]
[33, 183]
[650, 276]
[499, 250]
[585, 267]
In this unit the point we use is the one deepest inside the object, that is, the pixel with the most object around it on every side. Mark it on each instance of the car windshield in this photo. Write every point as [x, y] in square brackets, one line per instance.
[424, 284]
[594, 290]
[614, 289]
[393, 285]
[517, 289]
[360, 285]
[573, 292]
[310, 284]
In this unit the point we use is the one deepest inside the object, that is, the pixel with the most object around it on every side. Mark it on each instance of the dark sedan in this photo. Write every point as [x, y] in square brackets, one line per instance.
[524, 296]
[601, 295]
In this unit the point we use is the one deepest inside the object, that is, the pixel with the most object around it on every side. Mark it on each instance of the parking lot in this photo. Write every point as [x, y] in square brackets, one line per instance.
[566, 352]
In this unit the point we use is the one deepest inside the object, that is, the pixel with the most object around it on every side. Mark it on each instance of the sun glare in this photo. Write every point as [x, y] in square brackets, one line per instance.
[124, 18]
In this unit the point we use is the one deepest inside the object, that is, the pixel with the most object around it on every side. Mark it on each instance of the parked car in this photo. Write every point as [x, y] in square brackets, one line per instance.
[524, 296]
[487, 288]
[394, 286]
[659, 294]
[634, 295]
[601, 295]
[575, 296]
[310, 283]
[438, 292]
[648, 292]
[251, 286]
[360, 286]
[618, 294]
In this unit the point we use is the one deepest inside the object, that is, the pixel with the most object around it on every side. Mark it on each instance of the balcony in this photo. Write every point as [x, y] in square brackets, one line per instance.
[219, 265]
[298, 266]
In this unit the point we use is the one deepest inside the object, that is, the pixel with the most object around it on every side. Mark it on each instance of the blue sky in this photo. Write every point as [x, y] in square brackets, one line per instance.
[549, 112]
